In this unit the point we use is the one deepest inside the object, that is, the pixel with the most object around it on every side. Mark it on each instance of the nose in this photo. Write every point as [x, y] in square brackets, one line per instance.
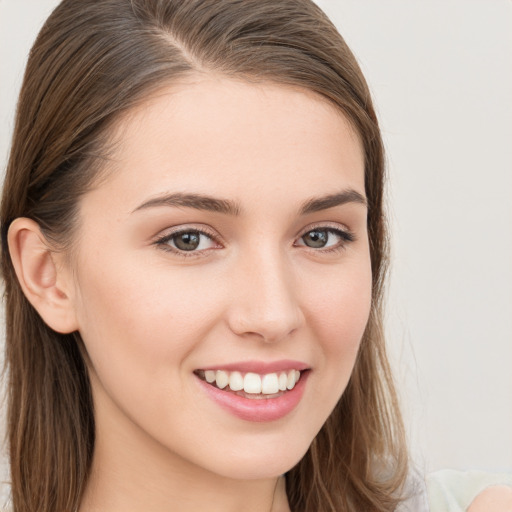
[265, 302]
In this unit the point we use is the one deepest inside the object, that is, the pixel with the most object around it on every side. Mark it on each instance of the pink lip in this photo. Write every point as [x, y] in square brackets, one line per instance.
[256, 410]
[260, 367]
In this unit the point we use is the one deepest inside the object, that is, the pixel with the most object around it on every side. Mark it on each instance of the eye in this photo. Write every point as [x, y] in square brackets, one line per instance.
[190, 240]
[325, 238]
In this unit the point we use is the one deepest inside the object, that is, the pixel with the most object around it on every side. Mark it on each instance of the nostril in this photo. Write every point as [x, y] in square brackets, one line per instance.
[267, 326]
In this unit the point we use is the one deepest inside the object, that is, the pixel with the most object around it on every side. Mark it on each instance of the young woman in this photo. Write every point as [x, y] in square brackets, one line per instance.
[194, 251]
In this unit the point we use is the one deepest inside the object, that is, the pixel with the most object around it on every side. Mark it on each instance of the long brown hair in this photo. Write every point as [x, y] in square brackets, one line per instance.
[92, 61]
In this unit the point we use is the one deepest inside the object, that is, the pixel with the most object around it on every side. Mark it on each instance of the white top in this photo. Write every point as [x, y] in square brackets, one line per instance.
[416, 499]
[448, 490]
[454, 491]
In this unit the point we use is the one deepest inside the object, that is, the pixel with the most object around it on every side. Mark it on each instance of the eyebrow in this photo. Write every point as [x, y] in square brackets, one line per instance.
[228, 207]
[330, 201]
[197, 201]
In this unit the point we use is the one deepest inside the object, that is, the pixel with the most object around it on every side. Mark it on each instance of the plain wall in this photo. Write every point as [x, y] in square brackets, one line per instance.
[441, 74]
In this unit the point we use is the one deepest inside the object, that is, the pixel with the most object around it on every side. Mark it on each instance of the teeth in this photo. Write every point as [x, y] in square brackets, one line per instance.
[222, 379]
[236, 381]
[290, 383]
[270, 384]
[252, 383]
[283, 379]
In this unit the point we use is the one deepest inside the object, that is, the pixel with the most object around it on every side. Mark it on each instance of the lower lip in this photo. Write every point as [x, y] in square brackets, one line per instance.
[257, 409]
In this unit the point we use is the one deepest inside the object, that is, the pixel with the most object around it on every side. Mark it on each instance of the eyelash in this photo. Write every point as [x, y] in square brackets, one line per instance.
[345, 236]
[163, 242]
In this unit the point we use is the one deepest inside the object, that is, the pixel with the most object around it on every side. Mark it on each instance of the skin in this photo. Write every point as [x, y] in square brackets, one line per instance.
[254, 290]
[494, 499]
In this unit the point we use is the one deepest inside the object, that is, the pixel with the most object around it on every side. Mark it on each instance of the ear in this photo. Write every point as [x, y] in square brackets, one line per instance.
[45, 281]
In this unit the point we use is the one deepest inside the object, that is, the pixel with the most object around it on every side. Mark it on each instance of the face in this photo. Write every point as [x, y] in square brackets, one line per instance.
[227, 248]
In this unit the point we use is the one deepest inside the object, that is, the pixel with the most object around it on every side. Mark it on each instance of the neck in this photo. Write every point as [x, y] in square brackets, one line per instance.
[107, 494]
[131, 473]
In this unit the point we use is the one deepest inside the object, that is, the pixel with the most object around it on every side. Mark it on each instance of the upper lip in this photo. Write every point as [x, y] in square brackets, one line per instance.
[260, 367]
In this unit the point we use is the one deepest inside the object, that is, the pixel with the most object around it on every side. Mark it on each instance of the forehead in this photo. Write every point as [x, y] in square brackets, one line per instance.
[230, 137]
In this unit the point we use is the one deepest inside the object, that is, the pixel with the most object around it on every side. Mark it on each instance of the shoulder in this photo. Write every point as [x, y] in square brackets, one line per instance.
[471, 491]
[497, 498]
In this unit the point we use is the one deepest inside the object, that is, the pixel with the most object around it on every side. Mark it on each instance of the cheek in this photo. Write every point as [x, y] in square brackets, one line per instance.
[139, 333]
[339, 314]
[342, 304]
[138, 325]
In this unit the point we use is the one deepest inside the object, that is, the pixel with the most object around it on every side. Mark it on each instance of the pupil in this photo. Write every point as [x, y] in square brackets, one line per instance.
[187, 241]
[316, 238]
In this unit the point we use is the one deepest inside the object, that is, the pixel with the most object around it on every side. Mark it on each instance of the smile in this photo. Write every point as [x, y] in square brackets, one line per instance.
[252, 385]
[255, 391]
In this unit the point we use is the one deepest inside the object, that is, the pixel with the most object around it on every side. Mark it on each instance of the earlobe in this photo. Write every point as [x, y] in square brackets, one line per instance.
[45, 283]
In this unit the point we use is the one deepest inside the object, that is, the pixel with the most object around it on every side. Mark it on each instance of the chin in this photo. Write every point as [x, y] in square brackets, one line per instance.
[257, 464]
